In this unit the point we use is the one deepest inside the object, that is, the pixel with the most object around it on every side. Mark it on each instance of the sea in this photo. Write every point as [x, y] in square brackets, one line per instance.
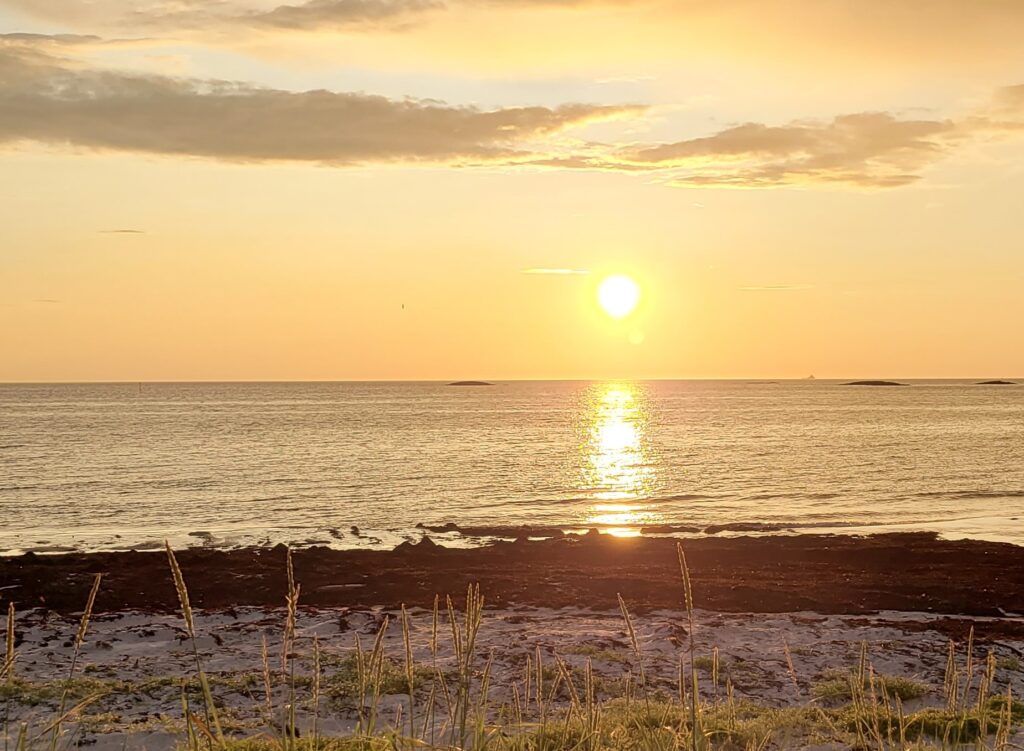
[128, 466]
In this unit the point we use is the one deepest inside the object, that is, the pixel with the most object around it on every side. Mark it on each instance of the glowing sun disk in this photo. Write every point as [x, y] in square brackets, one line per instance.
[618, 295]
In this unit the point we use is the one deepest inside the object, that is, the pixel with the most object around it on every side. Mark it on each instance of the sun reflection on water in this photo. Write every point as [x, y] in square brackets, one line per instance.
[617, 472]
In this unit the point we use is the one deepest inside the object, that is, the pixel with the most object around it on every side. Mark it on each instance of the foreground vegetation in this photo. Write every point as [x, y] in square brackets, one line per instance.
[553, 705]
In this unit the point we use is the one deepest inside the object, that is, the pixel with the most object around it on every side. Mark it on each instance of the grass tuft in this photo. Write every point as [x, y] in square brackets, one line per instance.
[839, 685]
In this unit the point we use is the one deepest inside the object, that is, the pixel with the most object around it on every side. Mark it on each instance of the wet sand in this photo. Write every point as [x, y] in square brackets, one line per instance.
[826, 574]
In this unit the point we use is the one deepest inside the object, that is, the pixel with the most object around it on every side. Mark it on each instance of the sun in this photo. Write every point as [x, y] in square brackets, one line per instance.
[618, 295]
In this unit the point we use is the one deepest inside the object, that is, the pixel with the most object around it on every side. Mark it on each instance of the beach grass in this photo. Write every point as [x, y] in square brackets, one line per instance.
[554, 705]
[837, 685]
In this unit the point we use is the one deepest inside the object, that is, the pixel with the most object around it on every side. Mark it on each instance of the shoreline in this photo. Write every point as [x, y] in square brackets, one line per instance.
[983, 528]
[828, 574]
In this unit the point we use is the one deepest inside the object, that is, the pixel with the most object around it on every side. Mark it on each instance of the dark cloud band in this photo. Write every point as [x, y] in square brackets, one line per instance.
[46, 100]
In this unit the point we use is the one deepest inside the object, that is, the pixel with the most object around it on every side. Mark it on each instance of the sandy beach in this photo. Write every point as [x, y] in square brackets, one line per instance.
[136, 658]
[779, 622]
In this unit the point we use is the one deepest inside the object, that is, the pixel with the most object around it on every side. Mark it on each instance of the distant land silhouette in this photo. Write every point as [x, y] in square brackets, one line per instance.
[470, 383]
[997, 383]
[874, 383]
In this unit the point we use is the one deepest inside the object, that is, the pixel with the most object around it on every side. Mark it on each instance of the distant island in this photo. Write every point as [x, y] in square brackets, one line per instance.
[470, 383]
[997, 383]
[874, 383]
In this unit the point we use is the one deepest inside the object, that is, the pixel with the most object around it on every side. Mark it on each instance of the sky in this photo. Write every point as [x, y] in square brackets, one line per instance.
[379, 189]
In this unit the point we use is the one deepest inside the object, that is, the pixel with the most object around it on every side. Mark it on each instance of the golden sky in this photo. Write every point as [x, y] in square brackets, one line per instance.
[366, 189]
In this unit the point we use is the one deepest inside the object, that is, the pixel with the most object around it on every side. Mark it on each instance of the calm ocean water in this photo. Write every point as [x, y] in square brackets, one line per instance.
[115, 466]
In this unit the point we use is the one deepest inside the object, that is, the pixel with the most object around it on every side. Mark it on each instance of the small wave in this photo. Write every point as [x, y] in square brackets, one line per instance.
[714, 529]
[71, 485]
[559, 530]
[965, 494]
[640, 500]
[187, 483]
[766, 496]
[822, 525]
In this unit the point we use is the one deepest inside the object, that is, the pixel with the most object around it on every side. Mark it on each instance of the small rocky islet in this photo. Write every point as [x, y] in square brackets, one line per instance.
[875, 383]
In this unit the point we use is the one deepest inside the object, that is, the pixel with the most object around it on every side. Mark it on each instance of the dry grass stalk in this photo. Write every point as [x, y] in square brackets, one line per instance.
[951, 682]
[449, 702]
[410, 672]
[539, 665]
[565, 673]
[291, 616]
[969, 670]
[715, 666]
[7, 668]
[1002, 739]
[83, 627]
[370, 673]
[315, 698]
[290, 734]
[428, 713]
[517, 707]
[634, 642]
[428, 719]
[482, 706]
[790, 667]
[527, 681]
[212, 718]
[191, 738]
[268, 691]
[464, 641]
[698, 739]
[681, 680]
[592, 710]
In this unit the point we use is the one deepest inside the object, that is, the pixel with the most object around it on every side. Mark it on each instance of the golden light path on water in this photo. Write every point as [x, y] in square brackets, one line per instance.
[617, 472]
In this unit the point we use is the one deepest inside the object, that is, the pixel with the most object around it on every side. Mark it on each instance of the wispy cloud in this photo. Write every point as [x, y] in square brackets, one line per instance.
[868, 149]
[625, 79]
[48, 99]
[916, 24]
[49, 39]
[320, 14]
[776, 287]
[554, 271]
[122, 231]
[871, 150]
[311, 15]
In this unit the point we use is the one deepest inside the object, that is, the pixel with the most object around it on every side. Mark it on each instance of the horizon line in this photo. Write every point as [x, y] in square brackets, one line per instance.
[100, 382]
